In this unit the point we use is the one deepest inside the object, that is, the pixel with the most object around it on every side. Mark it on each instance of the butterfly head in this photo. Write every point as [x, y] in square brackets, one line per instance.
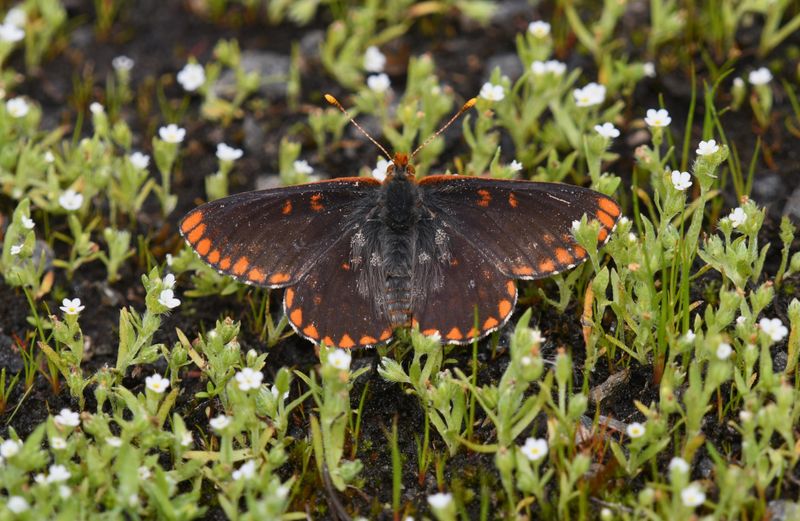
[400, 167]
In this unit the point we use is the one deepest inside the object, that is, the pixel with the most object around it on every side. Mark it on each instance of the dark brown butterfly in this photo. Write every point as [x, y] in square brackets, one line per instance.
[359, 257]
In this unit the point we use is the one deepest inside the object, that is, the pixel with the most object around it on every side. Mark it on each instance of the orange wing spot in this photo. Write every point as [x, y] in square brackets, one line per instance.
[241, 266]
[511, 288]
[195, 234]
[606, 219]
[548, 238]
[213, 257]
[579, 251]
[328, 341]
[279, 278]
[191, 221]
[473, 332]
[256, 275]
[203, 247]
[522, 271]
[504, 307]
[346, 342]
[287, 207]
[296, 317]
[288, 297]
[547, 265]
[316, 205]
[225, 263]
[311, 331]
[512, 200]
[603, 235]
[486, 198]
[608, 206]
[454, 334]
[346, 266]
[563, 256]
[385, 334]
[367, 340]
[430, 332]
[490, 323]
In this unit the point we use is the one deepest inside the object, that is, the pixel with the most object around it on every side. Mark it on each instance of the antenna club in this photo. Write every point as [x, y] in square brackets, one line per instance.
[470, 103]
[330, 99]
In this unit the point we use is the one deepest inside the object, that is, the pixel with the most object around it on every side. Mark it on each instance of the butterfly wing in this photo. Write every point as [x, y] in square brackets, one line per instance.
[524, 227]
[273, 237]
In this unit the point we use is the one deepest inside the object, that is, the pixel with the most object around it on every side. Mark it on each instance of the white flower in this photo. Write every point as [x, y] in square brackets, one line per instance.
[576, 225]
[492, 92]
[16, 249]
[156, 383]
[246, 471]
[168, 281]
[67, 418]
[227, 153]
[592, 94]
[96, 108]
[64, 491]
[192, 76]
[139, 161]
[657, 118]
[681, 180]
[537, 337]
[282, 491]
[274, 390]
[374, 59]
[745, 416]
[11, 33]
[172, 133]
[379, 82]
[28, 223]
[144, 473]
[248, 379]
[553, 67]
[17, 107]
[187, 439]
[606, 514]
[689, 336]
[17, 504]
[40, 479]
[706, 148]
[607, 130]
[168, 257]
[678, 464]
[58, 443]
[113, 441]
[649, 69]
[379, 172]
[693, 496]
[539, 29]
[535, 449]
[738, 83]
[760, 76]
[301, 166]
[740, 320]
[10, 448]
[737, 217]
[635, 430]
[70, 200]
[724, 351]
[71, 306]
[340, 359]
[49, 157]
[220, 422]
[16, 16]
[774, 328]
[526, 361]
[58, 473]
[167, 298]
[122, 63]
[515, 166]
[440, 500]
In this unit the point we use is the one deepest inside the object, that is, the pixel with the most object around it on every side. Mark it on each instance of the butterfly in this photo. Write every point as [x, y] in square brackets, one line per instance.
[360, 258]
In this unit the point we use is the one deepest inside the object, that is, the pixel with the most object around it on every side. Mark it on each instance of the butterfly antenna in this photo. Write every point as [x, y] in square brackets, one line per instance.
[468, 105]
[335, 102]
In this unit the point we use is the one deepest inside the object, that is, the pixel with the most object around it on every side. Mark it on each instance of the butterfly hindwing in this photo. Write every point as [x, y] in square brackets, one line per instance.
[273, 237]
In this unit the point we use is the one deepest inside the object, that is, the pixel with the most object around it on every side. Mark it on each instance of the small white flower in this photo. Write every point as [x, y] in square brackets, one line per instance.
[70, 200]
[58, 473]
[16, 249]
[631, 237]
[535, 449]
[28, 223]
[607, 130]
[144, 473]
[274, 390]
[706, 148]
[745, 416]
[64, 491]
[657, 118]
[693, 496]
[248, 379]
[228, 153]
[10, 448]
[301, 166]
[246, 471]
[379, 82]
[17, 107]
[539, 29]
[374, 59]
[172, 133]
[635, 430]
[679, 464]
[40, 479]
[167, 298]
[689, 336]
[16, 16]
[113, 441]
[537, 337]
[592, 94]
[122, 63]
[606, 514]
[515, 166]
[282, 491]
[526, 361]
[740, 320]
[192, 76]
[649, 69]
[492, 92]
[724, 351]
[17, 504]
[340, 359]
[379, 172]
[554, 67]
[187, 439]
[220, 422]
[58, 443]
[774, 328]
[156, 383]
[760, 76]
[440, 500]
[681, 180]
[96, 108]
[169, 258]
[11, 33]
[49, 157]
[576, 225]
[737, 217]
[67, 418]
[139, 161]
[168, 281]
[71, 307]
[738, 83]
